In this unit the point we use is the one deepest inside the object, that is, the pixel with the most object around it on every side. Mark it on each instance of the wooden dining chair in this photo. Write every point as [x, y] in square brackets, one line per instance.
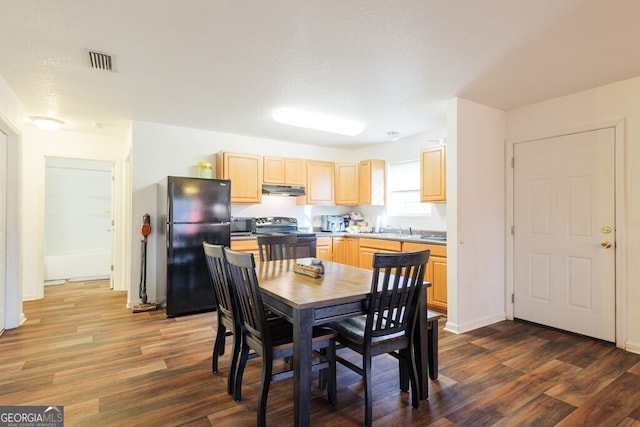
[388, 326]
[271, 248]
[271, 340]
[228, 316]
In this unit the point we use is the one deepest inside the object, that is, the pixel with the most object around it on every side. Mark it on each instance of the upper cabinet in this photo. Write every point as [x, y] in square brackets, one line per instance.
[319, 188]
[245, 173]
[371, 185]
[346, 190]
[284, 170]
[433, 171]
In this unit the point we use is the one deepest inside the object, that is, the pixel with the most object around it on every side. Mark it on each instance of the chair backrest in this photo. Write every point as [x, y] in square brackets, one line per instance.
[396, 284]
[216, 263]
[273, 248]
[242, 275]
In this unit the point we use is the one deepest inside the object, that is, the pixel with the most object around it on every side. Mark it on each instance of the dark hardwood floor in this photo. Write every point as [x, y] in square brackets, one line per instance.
[81, 348]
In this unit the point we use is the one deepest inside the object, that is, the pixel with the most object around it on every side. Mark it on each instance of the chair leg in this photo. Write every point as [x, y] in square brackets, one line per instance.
[233, 367]
[267, 367]
[368, 403]
[218, 347]
[333, 387]
[404, 376]
[244, 355]
[408, 360]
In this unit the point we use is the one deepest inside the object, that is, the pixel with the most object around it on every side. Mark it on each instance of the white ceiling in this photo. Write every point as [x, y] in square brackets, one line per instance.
[225, 65]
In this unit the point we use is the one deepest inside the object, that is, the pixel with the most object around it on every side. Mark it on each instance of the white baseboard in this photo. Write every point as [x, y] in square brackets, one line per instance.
[88, 278]
[474, 324]
[632, 347]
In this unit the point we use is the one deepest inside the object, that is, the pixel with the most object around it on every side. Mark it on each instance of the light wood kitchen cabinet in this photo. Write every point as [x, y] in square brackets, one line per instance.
[250, 246]
[346, 184]
[369, 247]
[345, 250]
[320, 179]
[352, 251]
[436, 273]
[371, 183]
[245, 173]
[324, 248]
[284, 170]
[433, 174]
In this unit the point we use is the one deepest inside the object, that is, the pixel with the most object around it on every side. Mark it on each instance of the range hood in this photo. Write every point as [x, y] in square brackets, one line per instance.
[282, 190]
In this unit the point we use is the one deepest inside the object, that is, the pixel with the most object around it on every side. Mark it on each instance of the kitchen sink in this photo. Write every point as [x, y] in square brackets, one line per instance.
[432, 237]
[438, 238]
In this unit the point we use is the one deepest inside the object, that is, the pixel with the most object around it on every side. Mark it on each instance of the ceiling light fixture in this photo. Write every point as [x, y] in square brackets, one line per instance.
[47, 123]
[393, 135]
[317, 121]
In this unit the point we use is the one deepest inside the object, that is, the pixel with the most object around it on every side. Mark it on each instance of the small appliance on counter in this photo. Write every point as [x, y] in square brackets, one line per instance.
[242, 226]
[332, 223]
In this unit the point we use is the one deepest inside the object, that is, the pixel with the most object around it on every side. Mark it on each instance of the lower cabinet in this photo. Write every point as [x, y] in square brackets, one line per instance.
[345, 250]
[436, 273]
[304, 249]
[324, 248]
[246, 246]
[369, 247]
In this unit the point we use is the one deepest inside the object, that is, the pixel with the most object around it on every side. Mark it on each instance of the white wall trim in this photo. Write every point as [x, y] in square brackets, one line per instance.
[621, 225]
[475, 324]
[633, 347]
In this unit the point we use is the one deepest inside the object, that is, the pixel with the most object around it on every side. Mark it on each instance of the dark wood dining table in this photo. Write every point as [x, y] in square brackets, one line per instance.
[307, 301]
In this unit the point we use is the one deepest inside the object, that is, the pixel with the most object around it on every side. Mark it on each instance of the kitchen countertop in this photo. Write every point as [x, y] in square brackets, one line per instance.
[418, 238]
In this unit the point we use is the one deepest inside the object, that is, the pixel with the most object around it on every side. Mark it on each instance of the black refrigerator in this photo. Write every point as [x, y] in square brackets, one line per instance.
[190, 211]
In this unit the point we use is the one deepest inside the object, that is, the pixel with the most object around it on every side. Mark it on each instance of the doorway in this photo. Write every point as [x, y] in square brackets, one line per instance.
[78, 220]
[565, 232]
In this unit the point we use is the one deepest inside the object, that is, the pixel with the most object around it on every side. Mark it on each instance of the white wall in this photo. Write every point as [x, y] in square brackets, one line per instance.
[37, 145]
[162, 150]
[589, 109]
[476, 215]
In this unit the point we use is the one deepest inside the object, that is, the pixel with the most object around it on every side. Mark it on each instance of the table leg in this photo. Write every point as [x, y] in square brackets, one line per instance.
[302, 350]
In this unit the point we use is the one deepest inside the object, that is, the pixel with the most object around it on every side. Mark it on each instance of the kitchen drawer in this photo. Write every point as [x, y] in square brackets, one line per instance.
[385, 245]
[436, 250]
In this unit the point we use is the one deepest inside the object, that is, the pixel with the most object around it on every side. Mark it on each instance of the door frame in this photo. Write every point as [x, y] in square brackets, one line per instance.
[620, 217]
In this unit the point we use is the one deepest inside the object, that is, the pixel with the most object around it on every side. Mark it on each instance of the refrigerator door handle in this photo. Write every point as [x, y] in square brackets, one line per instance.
[169, 248]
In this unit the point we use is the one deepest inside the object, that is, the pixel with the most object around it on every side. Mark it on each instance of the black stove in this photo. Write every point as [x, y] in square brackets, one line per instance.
[278, 225]
[281, 225]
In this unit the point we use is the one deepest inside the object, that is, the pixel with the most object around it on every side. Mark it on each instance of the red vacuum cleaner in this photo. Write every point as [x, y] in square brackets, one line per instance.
[144, 305]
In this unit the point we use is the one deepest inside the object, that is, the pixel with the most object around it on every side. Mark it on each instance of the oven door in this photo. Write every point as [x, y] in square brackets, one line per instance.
[306, 247]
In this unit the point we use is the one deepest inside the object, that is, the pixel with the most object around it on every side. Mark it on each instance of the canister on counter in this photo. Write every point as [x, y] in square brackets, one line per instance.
[204, 170]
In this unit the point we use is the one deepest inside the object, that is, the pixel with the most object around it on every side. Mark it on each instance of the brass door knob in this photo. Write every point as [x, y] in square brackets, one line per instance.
[605, 244]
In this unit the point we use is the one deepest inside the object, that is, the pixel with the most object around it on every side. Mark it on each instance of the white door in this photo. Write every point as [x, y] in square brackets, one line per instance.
[3, 230]
[564, 232]
[78, 237]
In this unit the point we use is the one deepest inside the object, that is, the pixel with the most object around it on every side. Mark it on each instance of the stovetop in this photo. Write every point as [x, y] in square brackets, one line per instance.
[276, 221]
[278, 225]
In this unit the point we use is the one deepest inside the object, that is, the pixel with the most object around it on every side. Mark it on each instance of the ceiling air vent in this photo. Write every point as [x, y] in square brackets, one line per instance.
[101, 61]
